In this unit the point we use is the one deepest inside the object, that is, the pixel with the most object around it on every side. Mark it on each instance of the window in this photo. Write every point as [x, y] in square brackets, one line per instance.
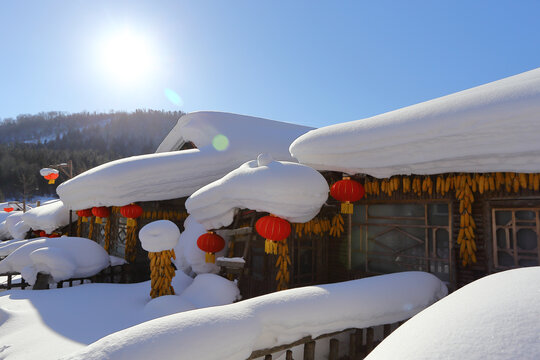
[394, 237]
[515, 237]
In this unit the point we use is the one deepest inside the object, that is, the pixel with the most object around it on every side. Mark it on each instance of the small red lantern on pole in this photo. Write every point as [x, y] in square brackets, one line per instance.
[273, 229]
[347, 191]
[49, 174]
[210, 243]
[8, 209]
[100, 212]
[84, 214]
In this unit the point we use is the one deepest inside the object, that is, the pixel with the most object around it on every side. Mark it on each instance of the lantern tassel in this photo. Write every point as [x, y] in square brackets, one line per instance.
[347, 207]
[84, 219]
[270, 247]
[51, 181]
[210, 258]
[98, 220]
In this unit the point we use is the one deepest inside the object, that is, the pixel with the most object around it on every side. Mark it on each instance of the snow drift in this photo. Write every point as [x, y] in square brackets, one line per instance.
[171, 175]
[495, 317]
[236, 330]
[63, 258]
[16, 226]
[289, 190]
[488, 128]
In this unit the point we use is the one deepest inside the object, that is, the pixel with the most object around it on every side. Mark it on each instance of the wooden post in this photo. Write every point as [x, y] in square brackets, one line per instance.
[369, 340]
[334, 349]
[288, 355]
[268, 357]
[352, 346]
[309, 350]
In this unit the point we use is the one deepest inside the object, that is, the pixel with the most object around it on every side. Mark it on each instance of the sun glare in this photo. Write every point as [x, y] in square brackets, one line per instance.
[127, 56]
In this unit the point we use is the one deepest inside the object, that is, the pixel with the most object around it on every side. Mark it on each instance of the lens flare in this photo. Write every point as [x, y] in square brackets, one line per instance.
[174, 97]
[220, 142]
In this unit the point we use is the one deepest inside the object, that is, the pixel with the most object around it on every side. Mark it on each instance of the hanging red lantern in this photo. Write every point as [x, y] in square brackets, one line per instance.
[210, 243]
[84, 214]
[273, 229]
[8, 209]
[42, 233]
[51, 177]
[54, 235]
[100, 212]
[131, 211]
[347, 191]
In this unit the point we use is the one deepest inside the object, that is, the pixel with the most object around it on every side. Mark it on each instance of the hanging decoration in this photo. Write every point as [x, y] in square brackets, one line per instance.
[210, 243]
[100, 212]
[282, 264]
[161, 273]
[49, 174]
[84, 214]
[273, 229]
[8, 209]
[131, 212]
[347, 191]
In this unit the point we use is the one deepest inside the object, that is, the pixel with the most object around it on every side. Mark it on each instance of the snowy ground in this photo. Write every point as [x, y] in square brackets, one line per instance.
[47, 324]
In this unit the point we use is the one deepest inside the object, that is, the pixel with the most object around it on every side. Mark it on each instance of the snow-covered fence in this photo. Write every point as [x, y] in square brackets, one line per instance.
[359, 343]
[12, 280]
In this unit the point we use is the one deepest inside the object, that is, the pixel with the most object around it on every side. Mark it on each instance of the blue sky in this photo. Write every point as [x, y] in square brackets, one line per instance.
[309, 62]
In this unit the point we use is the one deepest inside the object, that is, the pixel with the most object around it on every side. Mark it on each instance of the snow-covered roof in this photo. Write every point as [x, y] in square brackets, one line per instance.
[495, 317]
[224, 141]
[493, 127]
[290, 190]
[48, 217]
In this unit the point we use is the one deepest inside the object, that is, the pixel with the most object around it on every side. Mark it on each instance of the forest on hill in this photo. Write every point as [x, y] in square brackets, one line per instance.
[31, 142]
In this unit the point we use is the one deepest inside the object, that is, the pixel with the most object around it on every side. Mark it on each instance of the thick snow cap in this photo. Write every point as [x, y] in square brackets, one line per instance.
[493, 127]
[495, 317]
[289, 190]
[159, 235]
[48, 217]
[224, 141]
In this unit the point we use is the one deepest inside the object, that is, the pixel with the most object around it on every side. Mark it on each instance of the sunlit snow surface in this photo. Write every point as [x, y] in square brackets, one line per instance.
[496, 317]
[489, 128]
[176, 174]
[292, 191]
[48, 217]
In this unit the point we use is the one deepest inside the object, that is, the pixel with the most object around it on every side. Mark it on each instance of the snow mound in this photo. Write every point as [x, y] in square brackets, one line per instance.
[159, 235]
[48, 217]
[289, 190]
[495, 317]
[171, 175]
[9, 246]
[63, 258]
[488, 128]
[16, 226]
[189, 257]
[237, 329]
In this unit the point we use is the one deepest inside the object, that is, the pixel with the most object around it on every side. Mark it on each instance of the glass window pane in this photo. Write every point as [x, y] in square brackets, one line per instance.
[400, 210]
[501, 238]
[438, 214]
[503, 217]
[505, 259]
[527, 239]
[525, 215]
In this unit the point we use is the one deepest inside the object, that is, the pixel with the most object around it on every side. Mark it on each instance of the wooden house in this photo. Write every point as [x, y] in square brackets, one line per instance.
[451, 188]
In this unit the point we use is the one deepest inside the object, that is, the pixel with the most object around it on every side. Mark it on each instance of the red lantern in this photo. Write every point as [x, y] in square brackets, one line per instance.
[51, 177]
[8, 209]
[54, 235]
[131, 211]
[347, 191]
[210, 243]
[273, 229]
[100, 212]
[84, 214]
[42, 233]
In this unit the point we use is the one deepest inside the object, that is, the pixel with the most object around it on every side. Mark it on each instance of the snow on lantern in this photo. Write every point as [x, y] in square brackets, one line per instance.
[49, 174]
[273, 229]
[100, 212]
[131, 212]
[210, 243]
[84, 214]
[347, 191]
[8, 209]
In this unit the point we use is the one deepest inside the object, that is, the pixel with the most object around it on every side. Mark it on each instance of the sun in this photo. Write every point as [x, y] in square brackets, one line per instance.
[127, 56]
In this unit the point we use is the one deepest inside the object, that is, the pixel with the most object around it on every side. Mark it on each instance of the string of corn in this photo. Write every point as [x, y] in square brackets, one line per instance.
[282, 264]
[90, 227]
[79, 226]
[107, 230]
[161, 273]
[131, 240]
[336, 229]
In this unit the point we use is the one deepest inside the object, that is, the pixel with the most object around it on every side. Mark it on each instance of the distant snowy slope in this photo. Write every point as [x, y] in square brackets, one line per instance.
[170, 175]
[493, 318]
[493, 127]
